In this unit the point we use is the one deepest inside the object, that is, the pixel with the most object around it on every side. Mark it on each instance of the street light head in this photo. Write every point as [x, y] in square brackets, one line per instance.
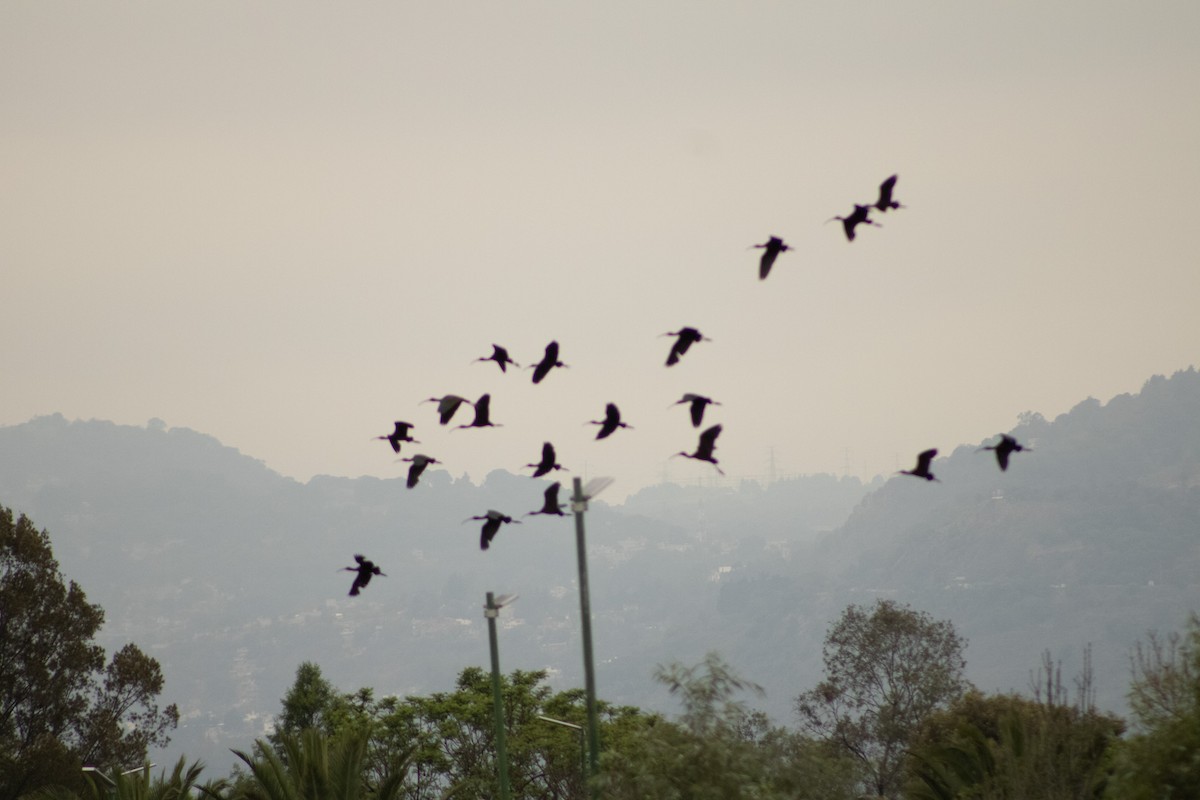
[595, 486]
[99, 774]
[491, 608]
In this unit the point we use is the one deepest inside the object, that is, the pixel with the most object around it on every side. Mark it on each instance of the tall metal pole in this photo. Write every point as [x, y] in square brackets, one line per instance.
[491, 611]
[578, 506]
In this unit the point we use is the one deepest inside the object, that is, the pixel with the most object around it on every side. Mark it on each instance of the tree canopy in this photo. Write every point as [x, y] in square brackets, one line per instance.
[1004, 746]
[886, 669]
[1162, 759]
[61, 705]
[719, 749]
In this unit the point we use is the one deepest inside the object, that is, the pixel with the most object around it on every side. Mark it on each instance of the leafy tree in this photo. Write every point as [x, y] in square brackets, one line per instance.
[311, 766]
[454, 740]
[443, 744]
[307, 704]
[886, 669]
[312, 703]
[61, 706]
[1163, 759]
[124, 721]
[718, 749]
[1165, 676]
[1006, 747]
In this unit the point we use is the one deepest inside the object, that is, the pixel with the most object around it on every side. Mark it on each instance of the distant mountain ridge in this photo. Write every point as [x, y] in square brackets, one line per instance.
[229, 572]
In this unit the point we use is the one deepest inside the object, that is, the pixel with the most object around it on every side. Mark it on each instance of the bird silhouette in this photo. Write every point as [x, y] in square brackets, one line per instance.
[704, 450]
[399, 435]
[365, 570]
[549, 361]
[771, 250]
[491, 525]
[685, 338]
[698, 403]
[610, 423]
[1004, 448]
[547, 463]
[447, 406]
[921, 470]
[482, 414]
[550, 504]
[885, 200]
[419, 463]
[859, 217]
[500, 356]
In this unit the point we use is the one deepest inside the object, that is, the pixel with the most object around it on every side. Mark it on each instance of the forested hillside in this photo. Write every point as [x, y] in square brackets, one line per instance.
[230, 574]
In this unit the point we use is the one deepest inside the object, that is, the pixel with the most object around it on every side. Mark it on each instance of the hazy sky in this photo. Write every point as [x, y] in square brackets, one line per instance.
[285, 224]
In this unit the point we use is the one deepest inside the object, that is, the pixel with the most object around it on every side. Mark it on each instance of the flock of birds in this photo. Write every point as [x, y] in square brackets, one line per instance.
[449, 405]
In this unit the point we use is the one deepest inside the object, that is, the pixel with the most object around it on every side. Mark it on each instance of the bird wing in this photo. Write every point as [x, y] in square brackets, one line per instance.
[488, 532]
[925, 459]
[414, 473]
[766, 262]
[885, 190]
[448, 405]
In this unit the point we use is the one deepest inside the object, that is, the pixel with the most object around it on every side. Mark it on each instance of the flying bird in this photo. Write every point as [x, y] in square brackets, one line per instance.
[399, 435]
[685, 338]
[610, 423]
[921, 470]
[500, 356]
[447, 406]
[704, 450]
[1004, 448]
[885, 200]
[419, 463]
[365, 570]
[771, 250]
[859, 217]
[698, 403]
[549, 361]
[482, 414]
[547, 463]
[550, 504]
[492, 521]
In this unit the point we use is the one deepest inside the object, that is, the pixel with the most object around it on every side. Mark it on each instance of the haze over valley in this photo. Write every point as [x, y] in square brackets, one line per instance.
[228, 573]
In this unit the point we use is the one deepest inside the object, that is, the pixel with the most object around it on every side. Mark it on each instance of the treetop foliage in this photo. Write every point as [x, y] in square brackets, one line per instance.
[61, 706]
[887, 668]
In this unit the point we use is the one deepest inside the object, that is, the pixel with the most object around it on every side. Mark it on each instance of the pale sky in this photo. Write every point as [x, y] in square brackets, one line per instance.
[285, 224]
